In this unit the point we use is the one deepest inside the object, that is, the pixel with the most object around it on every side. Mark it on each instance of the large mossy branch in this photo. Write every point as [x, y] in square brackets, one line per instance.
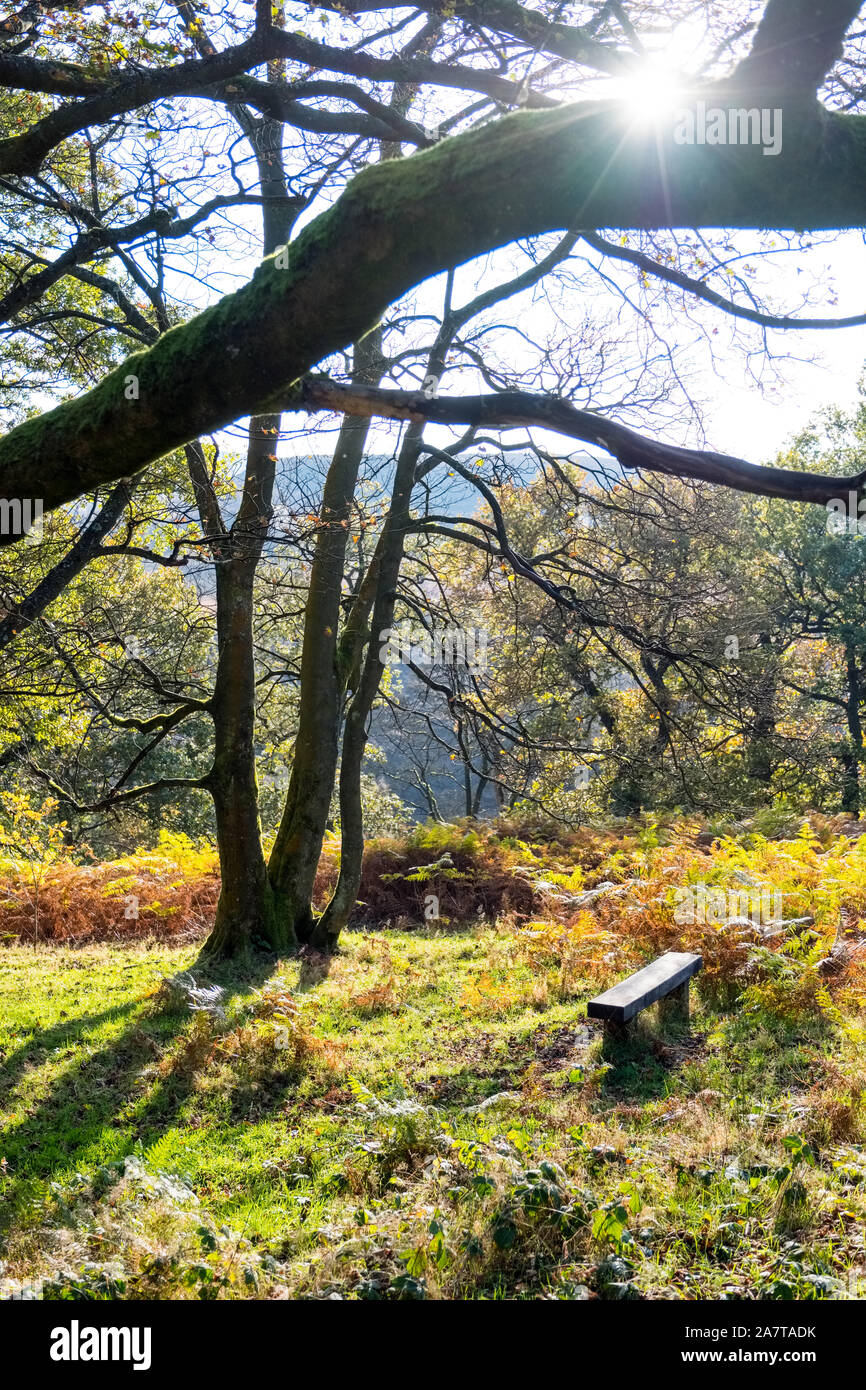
[796, 44]
[402, 221]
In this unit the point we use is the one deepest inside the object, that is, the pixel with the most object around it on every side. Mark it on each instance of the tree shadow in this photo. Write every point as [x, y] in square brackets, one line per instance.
[106, 1103]
[315, 968]
[50, 1039]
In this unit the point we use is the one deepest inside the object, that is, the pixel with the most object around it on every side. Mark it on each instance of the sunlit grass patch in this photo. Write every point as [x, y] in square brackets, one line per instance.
[429, 1113]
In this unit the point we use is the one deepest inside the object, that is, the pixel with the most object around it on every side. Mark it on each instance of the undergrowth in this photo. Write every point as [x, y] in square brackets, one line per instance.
[430, 1114]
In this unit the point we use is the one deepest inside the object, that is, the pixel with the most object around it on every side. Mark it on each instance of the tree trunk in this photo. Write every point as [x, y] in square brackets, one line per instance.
[336, 914]
[245, 913]
[467, 790]
[298, 846]
[625, 795]
[851, 762]
[480, 788]
[246, 916]
[759, 757]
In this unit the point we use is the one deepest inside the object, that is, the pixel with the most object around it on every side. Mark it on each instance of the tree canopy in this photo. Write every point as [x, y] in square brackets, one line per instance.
[235, 237]
[578, 165]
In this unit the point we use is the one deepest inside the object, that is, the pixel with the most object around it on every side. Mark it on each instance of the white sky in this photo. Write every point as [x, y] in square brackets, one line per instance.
[739, 416]
[742, 421]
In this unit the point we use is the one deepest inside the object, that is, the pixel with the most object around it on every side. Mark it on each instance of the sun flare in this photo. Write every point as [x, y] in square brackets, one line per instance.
[651, 92]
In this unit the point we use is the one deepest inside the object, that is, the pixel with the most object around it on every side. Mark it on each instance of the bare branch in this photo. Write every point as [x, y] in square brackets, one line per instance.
[631, 450]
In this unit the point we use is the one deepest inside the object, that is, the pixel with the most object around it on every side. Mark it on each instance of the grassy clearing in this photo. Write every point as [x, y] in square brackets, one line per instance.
[430, 1115]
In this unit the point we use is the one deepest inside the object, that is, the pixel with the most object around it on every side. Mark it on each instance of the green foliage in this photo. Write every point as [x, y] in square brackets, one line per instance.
[31, 842]
[440, 1147]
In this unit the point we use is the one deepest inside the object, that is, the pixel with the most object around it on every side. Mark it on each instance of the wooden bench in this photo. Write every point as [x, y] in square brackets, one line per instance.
[667, 980]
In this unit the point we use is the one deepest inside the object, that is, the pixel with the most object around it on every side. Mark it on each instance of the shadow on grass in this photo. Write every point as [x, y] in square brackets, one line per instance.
[642, 1059]
[101, 1108]
[315, 968]
[62, 1034]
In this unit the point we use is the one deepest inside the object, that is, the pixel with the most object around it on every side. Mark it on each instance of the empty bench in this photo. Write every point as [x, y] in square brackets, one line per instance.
[666, 980]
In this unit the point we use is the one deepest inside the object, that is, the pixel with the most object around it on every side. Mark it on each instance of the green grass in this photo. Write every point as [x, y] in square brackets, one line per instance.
[355, 1161]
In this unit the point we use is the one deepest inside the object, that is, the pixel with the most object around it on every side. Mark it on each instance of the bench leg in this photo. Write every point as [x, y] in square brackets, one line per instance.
[614, 1035]
[674, 1008]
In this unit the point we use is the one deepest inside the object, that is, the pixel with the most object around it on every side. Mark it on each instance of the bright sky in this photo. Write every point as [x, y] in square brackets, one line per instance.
[739, 418]
[749, 409]
[742, 421]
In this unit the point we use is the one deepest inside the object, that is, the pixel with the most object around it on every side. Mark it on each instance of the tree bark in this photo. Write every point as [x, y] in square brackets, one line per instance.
[298, 846]
[759, 755]
[854, 757]
[391, 545]
[531, 172]
[246, 912]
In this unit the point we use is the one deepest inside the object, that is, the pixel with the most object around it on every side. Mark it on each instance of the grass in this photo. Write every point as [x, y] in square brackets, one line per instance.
[429, 1114]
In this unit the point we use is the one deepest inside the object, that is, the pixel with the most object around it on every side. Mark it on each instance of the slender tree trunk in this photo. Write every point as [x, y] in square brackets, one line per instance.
[760, 752]
[480, 788]
[656, 672]
[246, 915]
[245, 912]
[851, 762]
[380, 587]
[625, 795]
[298, 846]
[467, 790]
[432, 803]
[329, 667]
[390, 556]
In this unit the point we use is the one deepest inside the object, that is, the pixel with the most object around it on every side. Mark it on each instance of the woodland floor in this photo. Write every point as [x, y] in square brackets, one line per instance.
[429, 1114]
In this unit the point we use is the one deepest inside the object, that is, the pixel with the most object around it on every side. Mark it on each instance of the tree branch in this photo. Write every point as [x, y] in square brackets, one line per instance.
[796, 44]
[582, 166]
[703, 291]
[632, 451]
[85, 548]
